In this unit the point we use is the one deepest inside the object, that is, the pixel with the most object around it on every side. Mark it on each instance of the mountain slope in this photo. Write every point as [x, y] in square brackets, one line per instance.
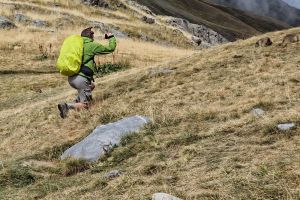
[231, 23]
[204, 142]
[276, 9]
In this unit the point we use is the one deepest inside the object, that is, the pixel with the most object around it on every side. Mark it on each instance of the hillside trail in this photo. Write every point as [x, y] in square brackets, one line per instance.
[27, 108]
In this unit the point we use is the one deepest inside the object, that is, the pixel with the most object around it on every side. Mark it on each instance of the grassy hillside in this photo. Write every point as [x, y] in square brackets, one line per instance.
[203, 143]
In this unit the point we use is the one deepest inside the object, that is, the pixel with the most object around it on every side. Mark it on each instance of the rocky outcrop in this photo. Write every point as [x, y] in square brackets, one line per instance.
[140, 7]
[105, 28]
[6, 23]
[148, 20]
[21, 18]
[98, 3]
[64, 21]
[110, 4]
[201, 34]
[40, 23]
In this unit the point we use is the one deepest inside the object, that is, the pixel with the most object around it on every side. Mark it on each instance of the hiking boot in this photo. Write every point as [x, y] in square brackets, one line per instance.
[63, 109]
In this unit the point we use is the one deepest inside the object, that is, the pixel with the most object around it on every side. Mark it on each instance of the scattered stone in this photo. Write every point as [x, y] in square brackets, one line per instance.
[148, 20]
[6, 23]
[264, 42]
[160, 71]
[290, 38]
[237, 56]
[98, 3]
[145, 37]
[113, 174]
[208, 36]
[51, 31]
[103, 138]
[163, 196]
[39, 23]
[197, 40]
[171, 179]
[121, 5]
[22, 18]
[286, 127]
[258, 112]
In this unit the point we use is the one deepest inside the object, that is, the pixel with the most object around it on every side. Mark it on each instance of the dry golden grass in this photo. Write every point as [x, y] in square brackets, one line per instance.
[204, 143]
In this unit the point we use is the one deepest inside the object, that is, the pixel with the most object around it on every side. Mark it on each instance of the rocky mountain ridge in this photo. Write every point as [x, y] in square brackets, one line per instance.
[277, 9]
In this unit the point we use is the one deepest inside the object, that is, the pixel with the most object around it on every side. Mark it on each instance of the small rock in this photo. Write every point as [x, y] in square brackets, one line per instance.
[258, 112]
[113, 174]
[160, 71]
[197, 40]
[22, 18]
[39, 23]
[286, 127]
[163, 196]
[97, 3]
[264, 42]
[148, 20]
[171, 179]
[238, 56]
[6, 24]
[121, 5]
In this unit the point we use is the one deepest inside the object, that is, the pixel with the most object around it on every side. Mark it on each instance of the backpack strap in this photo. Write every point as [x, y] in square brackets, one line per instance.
[84, 69]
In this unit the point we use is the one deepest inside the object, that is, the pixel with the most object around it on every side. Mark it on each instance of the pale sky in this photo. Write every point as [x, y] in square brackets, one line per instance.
[295, 3]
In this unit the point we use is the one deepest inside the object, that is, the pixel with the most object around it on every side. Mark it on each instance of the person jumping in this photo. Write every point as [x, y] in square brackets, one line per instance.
[83, 81]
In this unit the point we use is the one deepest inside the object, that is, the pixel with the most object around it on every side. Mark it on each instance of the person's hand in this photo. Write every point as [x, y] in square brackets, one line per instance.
[108, 35]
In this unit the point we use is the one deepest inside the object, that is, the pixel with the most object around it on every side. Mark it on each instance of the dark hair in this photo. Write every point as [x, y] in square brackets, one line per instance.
[88, 33]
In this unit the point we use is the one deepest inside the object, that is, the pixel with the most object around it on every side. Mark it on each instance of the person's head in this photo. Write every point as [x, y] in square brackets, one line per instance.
[88, 33]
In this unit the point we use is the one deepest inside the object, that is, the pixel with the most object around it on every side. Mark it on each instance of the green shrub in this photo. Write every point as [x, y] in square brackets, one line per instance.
[108, 68]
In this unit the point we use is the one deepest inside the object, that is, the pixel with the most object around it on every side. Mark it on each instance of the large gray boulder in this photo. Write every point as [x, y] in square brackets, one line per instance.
[103, 138]
[6, 23]
[164, 196]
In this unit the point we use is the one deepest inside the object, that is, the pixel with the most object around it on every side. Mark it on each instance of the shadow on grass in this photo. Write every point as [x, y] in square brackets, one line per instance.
[17, 72]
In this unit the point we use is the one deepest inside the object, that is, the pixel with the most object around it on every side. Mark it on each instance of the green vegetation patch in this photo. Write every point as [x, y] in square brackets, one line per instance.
[109, 68]
[73, 166]
[17, 176]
